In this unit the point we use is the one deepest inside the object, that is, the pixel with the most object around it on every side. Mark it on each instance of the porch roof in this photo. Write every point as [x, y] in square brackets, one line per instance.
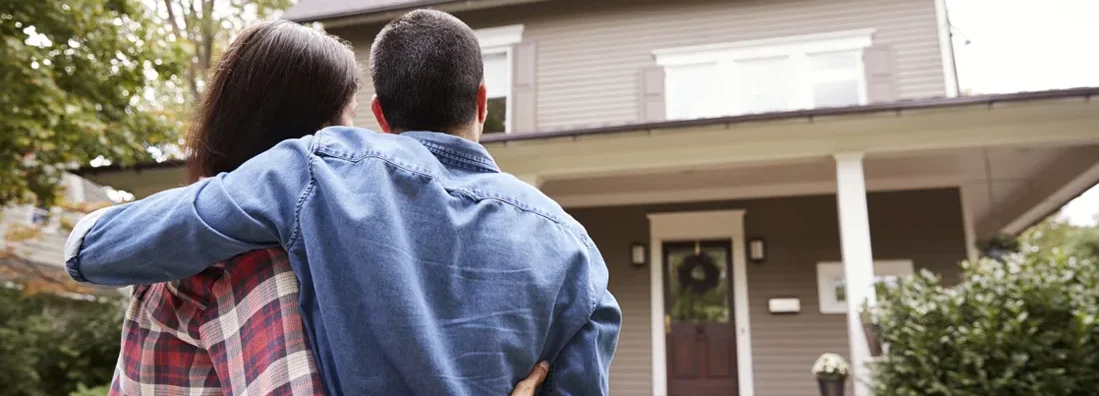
[1085, 93]
[945, 135]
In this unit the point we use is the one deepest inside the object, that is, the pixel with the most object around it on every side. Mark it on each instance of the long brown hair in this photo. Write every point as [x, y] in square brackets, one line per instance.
[278, 80]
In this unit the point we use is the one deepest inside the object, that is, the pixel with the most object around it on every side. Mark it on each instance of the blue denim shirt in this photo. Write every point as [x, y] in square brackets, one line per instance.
[424, 270]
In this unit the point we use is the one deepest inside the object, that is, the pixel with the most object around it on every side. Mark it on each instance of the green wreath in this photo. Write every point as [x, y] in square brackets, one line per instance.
[699, 273]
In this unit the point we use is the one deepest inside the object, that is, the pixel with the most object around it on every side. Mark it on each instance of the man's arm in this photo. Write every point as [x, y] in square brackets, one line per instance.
[177, 233]
[583, 367]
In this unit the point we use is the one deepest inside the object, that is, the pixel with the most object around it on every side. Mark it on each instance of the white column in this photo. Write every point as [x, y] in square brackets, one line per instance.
[532, 179]
[858, 261]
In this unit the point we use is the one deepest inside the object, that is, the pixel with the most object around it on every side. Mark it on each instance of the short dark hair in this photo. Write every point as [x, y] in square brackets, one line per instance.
[427, 68]
[277, 80]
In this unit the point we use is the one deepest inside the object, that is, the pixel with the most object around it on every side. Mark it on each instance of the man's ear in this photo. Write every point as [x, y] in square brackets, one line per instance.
[482, 103]
[376, 108]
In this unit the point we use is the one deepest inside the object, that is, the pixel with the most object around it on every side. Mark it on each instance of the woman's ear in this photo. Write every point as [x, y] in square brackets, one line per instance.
[379, 115]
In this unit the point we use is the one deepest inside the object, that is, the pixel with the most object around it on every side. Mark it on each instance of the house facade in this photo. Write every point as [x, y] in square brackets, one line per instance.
[747, 167]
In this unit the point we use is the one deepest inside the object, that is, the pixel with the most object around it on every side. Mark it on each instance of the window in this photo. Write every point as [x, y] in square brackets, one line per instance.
[832, 285]
[496, 44]
[762, 76]
[498, 85]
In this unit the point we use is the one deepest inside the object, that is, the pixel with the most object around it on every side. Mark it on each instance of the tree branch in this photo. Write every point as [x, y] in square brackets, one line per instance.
[192, 79]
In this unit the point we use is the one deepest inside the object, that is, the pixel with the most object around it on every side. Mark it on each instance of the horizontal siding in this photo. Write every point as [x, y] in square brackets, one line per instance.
[588, 60]
[800, 232]
[589, 53]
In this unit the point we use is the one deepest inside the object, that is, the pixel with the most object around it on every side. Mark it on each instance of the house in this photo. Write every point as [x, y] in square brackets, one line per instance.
[32, 242]
[747, 167]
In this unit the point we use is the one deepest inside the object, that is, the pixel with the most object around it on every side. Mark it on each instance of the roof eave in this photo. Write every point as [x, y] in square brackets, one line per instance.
[383, 14]
[1085, 92]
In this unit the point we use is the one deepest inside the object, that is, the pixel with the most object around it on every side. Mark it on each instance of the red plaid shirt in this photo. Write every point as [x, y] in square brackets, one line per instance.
[233, 329]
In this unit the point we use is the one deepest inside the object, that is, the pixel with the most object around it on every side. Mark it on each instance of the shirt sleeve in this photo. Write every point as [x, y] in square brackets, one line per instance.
[583, 367]
[177, 233]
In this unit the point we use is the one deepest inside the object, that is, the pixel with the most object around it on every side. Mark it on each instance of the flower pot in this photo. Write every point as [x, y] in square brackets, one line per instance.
[832, 386]
[870, 330]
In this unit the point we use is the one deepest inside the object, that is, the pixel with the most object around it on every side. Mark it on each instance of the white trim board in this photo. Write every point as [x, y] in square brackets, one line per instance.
[946, 50]
[496, 37]
[679, 226]
[746, 192]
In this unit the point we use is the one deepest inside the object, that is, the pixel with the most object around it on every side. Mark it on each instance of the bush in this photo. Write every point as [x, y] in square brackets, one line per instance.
[50, 345]
[1024, 326]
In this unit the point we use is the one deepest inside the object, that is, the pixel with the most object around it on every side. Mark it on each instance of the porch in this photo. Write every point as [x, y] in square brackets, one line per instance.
[909, 184]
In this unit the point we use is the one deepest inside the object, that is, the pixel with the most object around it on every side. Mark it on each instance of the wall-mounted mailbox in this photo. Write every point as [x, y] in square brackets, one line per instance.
[784, 305]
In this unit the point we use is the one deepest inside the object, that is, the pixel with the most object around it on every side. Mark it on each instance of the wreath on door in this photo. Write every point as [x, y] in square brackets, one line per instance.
[699, 273]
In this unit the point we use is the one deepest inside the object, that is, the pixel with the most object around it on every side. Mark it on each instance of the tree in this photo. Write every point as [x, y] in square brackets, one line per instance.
[1056, 234]
[204, 27]
[76, 78]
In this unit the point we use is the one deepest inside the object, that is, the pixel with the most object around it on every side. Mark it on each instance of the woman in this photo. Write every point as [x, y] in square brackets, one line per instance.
[235, 328]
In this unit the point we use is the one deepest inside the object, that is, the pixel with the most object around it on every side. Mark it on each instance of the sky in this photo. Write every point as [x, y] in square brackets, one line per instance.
[1029, 45]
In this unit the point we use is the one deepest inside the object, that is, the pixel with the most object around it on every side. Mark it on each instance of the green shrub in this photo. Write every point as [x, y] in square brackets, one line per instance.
[49, 345]
[1026, 326]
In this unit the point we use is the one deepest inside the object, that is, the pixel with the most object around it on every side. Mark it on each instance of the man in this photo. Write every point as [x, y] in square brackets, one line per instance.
[424, 269]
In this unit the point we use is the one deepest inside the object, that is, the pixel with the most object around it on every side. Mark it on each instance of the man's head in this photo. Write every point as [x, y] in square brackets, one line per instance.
[427, 72]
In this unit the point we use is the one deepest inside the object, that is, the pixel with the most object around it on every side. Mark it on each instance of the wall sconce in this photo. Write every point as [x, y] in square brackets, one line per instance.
[757, 250]
[639, 254]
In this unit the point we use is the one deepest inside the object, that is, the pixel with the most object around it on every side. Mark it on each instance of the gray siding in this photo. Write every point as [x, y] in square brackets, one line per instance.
[925, 226]
[590, 53]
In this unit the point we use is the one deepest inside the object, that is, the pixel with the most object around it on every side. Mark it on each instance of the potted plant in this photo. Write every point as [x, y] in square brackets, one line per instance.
[831, 372]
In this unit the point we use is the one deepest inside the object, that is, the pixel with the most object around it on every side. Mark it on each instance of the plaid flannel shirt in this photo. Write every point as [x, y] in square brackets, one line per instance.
[233, 329]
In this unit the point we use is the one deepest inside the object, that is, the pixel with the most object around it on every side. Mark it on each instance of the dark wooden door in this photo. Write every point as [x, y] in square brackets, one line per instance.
[701, 338]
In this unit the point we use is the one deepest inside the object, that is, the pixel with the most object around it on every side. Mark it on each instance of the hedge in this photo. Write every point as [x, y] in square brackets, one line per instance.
[1024, 326]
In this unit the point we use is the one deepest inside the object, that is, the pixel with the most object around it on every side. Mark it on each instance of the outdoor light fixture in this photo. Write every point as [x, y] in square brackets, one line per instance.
[757, 250]
[638, 254]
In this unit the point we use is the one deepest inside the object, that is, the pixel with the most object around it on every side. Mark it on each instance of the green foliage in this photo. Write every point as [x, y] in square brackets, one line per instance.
[50, 345]
[73, 74]
[82, 390]
[1056, 235]
[1024, 326]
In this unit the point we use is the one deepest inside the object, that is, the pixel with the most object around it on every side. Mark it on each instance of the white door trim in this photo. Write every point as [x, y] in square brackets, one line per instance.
[680, 226]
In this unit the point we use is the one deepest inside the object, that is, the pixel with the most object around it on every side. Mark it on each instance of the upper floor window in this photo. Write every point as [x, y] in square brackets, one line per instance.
[496, 52]
[760, 76]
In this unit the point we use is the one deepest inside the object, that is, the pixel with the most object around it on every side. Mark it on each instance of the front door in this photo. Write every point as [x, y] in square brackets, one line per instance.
[699, 326]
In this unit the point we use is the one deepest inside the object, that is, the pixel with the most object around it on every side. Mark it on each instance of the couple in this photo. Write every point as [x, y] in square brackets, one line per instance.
[393, 263]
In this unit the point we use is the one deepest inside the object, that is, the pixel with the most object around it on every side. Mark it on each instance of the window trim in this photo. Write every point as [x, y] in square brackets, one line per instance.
[502, 40]
[797, 48]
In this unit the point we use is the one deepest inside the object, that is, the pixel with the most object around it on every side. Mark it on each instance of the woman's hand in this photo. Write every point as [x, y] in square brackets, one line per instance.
[528, 386]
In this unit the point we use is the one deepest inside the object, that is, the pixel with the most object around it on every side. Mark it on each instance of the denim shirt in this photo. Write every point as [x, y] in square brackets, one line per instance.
[424, 270]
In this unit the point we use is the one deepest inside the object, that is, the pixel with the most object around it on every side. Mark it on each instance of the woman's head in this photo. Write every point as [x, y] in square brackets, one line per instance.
[278, 80]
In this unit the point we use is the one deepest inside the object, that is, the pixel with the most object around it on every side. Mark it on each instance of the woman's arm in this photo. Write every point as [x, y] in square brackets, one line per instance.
[177, 233]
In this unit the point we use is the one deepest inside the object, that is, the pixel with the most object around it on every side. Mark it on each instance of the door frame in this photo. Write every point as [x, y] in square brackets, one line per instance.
[700, 225]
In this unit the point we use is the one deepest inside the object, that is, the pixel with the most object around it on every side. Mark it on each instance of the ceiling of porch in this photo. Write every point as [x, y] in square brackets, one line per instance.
[999, 184]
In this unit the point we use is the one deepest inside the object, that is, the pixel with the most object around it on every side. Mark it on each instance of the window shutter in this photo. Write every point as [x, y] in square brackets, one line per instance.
[651, 94]
[880, 86]
[523, 100]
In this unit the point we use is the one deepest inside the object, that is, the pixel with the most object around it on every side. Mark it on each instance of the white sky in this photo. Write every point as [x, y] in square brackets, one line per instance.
[1029, 45]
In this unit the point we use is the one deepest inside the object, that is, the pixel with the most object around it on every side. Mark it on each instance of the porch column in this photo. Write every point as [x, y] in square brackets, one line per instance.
[858, 261]
[531, 179]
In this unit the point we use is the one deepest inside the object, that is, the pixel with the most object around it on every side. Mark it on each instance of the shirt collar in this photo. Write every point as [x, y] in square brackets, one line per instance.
[456, 151]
